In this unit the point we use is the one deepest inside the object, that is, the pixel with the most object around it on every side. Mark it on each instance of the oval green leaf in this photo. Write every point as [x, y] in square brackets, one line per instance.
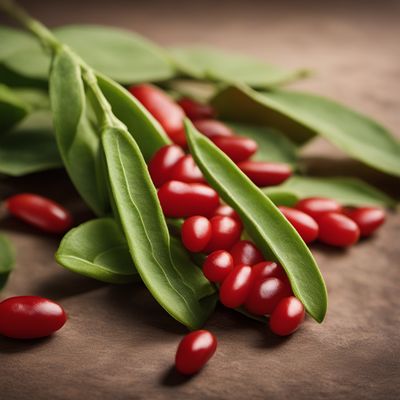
[301, 115]
[29, 147]
[77, 136]
[97, 249]
[139, 212]
[210, 63]
[347, 191]
[7, 259]
[270, 230]
[12, 108]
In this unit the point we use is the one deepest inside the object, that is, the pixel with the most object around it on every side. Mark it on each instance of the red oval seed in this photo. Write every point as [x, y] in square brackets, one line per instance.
[195, 110]
[318, 206]
[186, 170]
[265, 294]
[265, 173]
[368, 219]
[236, 286]
[269, 269]
[237, 148]
[225, 232]
[163, 109]
[305, 225]
[40, 212]
[212, 127]
[30, 317]
[217, 266]
[163, 162]
[227, 211]
[287, 316]
[194, 350]
[245, 252]
[337, 230]
[196, 233]
[179, 199]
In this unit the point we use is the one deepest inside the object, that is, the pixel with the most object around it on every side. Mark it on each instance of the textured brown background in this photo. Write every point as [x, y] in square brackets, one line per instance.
[118, 343]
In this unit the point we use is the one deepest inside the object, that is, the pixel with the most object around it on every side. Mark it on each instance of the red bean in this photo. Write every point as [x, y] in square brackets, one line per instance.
[225, 233]
[227, 211]
[186, 170]
[318, 206]
[164, 110]
[195, 110]
[368, 219]
[179, 199]
[196, 233]
[245, 252]
[287, 316]
[269, 269]
[163, 162]
[194, 350]
[30, 317]
[40, 212]
[305, 225]
[237, 148]
[338, 230]
[266, 173]
[212, 127]
[217, 266]
[236, 286]
[265, 294]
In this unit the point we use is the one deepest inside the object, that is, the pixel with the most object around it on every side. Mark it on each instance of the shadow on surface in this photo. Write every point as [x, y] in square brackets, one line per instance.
[173, 378]
[9, 346]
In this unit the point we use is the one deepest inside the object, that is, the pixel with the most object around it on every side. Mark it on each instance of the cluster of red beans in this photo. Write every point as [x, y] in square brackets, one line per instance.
[237, 266]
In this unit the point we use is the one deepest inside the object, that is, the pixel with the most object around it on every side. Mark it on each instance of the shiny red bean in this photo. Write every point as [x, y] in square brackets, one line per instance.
[196, 233]
[338, 230]
[217, 266]
[212, 127]
[186, 170]
[236, 286]
[163, 162]
[305, 225]
[195, 110]
[368, 219]
[40, 212]
[266, 173]
[164, 110]
[194, 351]
[227, 211]
[287, 316]
[269, 269]
[179, 199]
[318, 206]
[237, 148]
[30, 317]
[265, 294]
[245, 252]
[226, 232]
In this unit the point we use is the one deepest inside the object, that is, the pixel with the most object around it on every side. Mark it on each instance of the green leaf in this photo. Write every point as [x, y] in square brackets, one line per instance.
[11, 78]
[213, 64]
[301, 115]
[36, 98]
[30, 147]
[97, 249]
[265, 224]
[12, 108]
[146, 131]
[13, 40]
[77, 137]
[272, 145]
[7, 259]
[347, 191]
[140, 214]
[122, 55]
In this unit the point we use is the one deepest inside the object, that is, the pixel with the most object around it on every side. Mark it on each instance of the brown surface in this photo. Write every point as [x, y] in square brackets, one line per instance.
[119, 344]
